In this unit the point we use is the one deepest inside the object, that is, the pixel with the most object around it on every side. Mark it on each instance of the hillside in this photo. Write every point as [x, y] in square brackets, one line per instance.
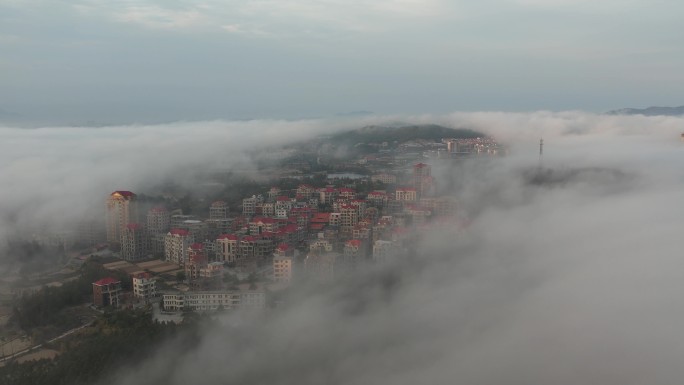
[650, 111]
[373, 134]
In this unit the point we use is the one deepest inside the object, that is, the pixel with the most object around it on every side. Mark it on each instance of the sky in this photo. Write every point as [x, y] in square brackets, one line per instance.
[98, 62]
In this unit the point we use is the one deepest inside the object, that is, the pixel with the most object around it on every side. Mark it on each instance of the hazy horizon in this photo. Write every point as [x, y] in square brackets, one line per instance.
[89, 61]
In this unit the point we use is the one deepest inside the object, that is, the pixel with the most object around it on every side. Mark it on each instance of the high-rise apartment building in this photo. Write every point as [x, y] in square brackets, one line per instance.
[135, 243]
[176, 245]
[218, 210]
[121, 210]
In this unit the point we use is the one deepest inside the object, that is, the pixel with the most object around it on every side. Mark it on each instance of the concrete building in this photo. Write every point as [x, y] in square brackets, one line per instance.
[144, 287]
[197, 229]
[349, 217]
[135, 242]
[177, 220]
[384, 251]
[249, 204]
[218, 210]
[106, 292]
[377, 198]
[215, 300]
[283, 263]
[422, 179]
[176, 246]
[384, 178]
[327, 195]
[260, 225]
[121, 209]
[321, 267]
[320, 246]
[306, 192]
[406, 194]
[197, 259]
[228, 248]
[158, 220]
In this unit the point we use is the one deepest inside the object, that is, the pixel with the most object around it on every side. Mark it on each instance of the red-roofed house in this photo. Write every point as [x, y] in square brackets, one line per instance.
[327, 195]
[347, 193]
[353, 252]
[106, 292]
[259, 225]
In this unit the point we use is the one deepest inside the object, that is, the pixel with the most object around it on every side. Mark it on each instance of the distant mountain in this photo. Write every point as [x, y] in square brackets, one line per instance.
[650, 111]
[374, 134]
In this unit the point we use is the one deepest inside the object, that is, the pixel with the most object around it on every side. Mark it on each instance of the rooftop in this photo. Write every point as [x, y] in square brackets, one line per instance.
[106, 281]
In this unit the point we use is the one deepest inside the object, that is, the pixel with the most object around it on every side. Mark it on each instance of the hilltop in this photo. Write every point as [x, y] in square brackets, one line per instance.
[374, 134]
[650, 111]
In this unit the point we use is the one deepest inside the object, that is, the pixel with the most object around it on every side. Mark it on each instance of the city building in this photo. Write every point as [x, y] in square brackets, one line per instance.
[176, 244]
[121, 209]
[249, 204]
[422, 179]
[228, 248]
[283, 263]
[214, 300]
[107, 292]
[218, 210]
[144, 287]
[349, 217]
[406, 194]
[158, 220]
[321, 267]
[135, 243]
[383, 251]
[384, 178]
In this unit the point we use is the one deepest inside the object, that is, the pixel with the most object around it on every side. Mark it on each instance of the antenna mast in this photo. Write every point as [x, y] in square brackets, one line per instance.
[541, 151]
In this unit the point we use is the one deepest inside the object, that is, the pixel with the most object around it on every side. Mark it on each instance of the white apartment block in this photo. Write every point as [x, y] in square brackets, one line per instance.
[176, 244]
[282, 269]
[406, 195]
[144, 287]
[384, 178]
[213, 300]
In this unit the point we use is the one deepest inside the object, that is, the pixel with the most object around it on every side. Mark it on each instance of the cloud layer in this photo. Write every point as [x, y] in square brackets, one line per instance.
[577, 280]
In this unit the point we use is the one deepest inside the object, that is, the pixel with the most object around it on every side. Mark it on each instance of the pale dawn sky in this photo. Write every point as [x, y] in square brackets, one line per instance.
[145, 61]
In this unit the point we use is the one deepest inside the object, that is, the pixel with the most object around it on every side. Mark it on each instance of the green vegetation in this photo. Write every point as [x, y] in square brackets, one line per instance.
[49, 306]
[117, 339]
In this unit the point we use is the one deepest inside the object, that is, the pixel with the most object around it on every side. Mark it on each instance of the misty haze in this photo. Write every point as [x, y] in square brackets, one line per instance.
[300, 192]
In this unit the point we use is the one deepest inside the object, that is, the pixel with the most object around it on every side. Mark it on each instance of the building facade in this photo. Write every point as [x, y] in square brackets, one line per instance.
[121, 209]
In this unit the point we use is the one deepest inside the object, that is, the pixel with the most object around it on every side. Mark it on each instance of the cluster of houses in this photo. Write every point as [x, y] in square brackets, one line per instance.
[311, 232]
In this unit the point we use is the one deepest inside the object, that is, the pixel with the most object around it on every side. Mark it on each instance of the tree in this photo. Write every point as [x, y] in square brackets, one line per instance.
[180, 276]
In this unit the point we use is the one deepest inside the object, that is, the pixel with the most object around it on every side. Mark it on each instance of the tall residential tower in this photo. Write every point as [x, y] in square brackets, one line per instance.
[121, 210]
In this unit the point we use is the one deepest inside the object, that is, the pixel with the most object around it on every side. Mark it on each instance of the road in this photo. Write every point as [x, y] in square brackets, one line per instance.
[39, 346]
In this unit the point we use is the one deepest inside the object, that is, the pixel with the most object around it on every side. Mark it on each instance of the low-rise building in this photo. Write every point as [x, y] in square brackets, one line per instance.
[214, 300]
[144, 287]
[107, 292]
